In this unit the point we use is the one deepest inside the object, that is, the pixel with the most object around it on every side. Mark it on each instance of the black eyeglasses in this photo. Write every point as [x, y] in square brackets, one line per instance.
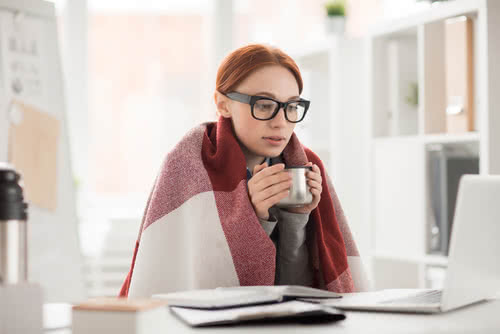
[265, 108]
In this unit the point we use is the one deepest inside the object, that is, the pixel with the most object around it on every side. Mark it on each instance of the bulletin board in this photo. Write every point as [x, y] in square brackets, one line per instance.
[34, 138]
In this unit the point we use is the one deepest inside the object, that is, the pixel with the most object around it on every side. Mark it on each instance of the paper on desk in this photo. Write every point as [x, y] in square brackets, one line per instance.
[33, 142]
[196, 317]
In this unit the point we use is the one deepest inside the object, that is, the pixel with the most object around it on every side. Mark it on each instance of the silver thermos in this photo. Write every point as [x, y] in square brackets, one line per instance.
[13, 229]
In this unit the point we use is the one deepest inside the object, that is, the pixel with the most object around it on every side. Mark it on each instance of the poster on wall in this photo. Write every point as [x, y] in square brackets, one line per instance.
[31, 132]
[23, 58]
[33, 142]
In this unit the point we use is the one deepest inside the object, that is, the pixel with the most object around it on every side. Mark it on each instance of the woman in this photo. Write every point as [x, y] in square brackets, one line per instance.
[211, 219]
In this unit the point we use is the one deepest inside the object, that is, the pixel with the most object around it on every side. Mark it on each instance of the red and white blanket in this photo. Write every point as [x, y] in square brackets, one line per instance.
[200, 231]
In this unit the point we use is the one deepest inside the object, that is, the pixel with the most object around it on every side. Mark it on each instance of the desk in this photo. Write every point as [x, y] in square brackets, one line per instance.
[481, 318]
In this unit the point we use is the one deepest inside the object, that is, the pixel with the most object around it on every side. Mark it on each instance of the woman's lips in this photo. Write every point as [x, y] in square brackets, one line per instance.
[275, 140]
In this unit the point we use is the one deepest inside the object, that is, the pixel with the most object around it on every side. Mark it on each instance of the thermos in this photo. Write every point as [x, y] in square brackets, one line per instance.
[13, 229]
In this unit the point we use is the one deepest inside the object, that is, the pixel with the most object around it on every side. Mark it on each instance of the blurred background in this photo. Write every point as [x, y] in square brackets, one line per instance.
[139, 74]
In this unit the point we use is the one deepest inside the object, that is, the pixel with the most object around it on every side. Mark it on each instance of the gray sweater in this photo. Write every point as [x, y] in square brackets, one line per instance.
[287, 230]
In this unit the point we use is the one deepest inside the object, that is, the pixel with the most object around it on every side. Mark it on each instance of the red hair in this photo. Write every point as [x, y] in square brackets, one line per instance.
[240, 63]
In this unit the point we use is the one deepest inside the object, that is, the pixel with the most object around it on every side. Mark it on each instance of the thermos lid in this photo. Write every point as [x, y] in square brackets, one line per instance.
[12, 205]
[295, 167]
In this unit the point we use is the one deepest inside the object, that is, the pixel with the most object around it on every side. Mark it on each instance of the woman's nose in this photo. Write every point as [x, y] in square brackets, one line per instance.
[279, 120]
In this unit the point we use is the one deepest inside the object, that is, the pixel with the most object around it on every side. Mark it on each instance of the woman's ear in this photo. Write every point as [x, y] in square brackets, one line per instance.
[222, 104]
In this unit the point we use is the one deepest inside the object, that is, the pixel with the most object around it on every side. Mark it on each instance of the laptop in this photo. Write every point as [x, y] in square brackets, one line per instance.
[473, 272]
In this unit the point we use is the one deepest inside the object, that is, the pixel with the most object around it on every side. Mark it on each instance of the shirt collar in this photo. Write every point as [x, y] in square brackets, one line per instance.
[268, 160]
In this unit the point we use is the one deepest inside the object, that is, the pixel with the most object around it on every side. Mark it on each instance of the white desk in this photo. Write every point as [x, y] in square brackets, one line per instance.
[481, 318]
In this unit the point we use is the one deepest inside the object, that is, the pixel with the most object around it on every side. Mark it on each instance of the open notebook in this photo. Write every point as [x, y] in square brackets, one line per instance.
[250, 303]
[242, 296]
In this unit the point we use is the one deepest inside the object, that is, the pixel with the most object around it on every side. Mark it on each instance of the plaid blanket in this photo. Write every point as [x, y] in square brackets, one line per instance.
[200, 231]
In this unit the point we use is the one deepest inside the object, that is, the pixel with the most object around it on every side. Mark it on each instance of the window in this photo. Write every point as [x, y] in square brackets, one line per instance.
[145, 66]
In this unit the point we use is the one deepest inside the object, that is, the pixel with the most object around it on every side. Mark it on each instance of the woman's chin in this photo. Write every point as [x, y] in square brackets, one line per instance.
[267, 152]
[272, 153]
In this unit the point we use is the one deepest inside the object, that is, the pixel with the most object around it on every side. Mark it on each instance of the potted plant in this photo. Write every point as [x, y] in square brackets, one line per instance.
[335, 20]
[412, 97]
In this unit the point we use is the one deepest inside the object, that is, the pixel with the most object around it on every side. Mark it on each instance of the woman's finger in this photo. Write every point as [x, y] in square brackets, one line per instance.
[271, 191]
[272, 180]
[269, 202]
[258, 168]
[314, 176]
[314, 184]
[316, 192]
[266, 171]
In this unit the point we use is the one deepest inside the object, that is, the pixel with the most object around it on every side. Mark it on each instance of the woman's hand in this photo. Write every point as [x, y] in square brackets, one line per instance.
[314, 180]
[268, 186]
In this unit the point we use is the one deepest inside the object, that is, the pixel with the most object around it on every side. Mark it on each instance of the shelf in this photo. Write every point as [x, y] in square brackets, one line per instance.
[395, 95]
[434, 260]
[416, 162]
[384, 139]
[471, 137]
[451, 138]
[443, 11]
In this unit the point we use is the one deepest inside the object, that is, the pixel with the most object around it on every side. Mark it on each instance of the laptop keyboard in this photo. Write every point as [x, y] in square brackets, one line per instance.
[427, 297]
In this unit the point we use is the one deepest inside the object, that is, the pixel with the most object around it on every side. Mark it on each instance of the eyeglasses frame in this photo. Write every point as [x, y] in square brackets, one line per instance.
[251, 99]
